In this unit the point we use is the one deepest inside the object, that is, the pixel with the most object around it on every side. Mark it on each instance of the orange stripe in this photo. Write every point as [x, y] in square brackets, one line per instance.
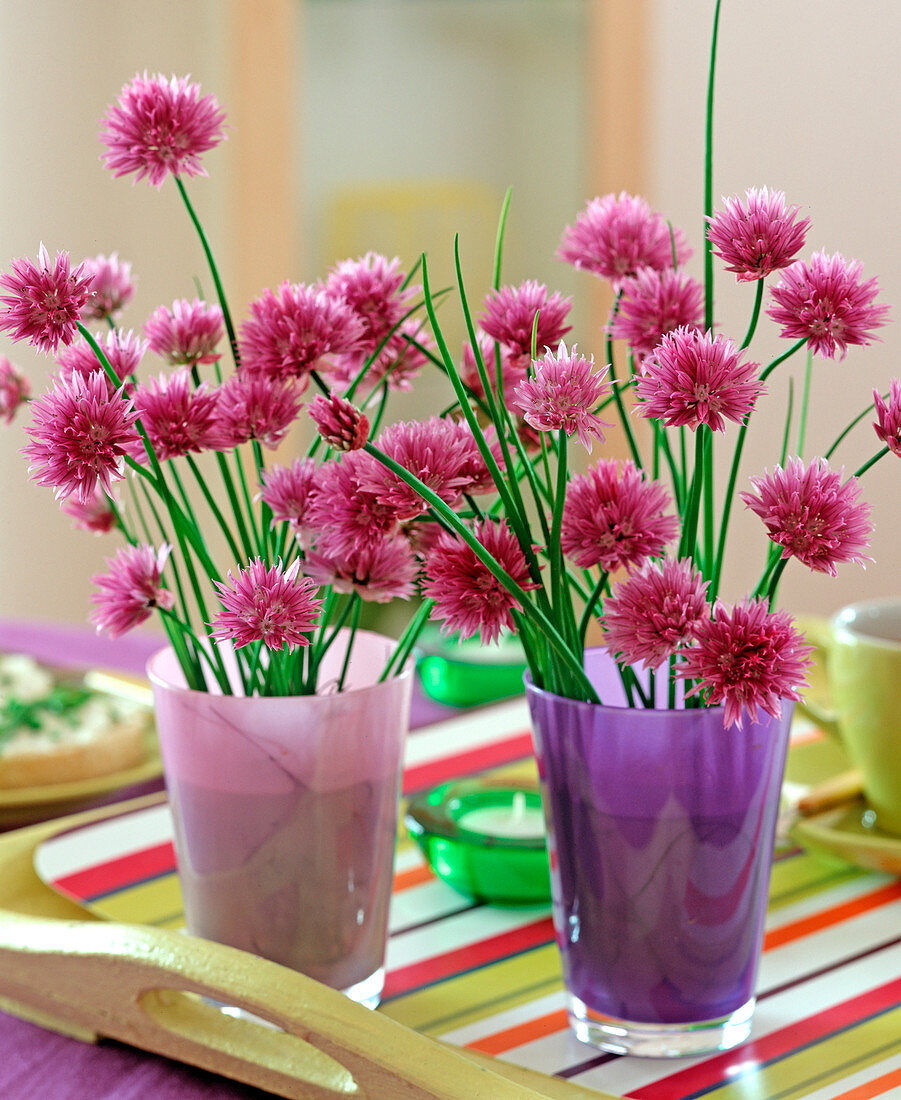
[501, 1041]
[521, 1033]
[879, 1086]
[413, 876]
[816, 922]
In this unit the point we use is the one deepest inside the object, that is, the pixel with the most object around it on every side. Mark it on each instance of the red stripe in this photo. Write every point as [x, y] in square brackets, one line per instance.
[420, 777]
[403, 979]
[119, 873]
[728, 1067]
[123, 871]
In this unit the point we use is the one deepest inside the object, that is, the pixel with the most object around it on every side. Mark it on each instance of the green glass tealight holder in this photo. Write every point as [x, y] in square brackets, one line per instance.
[484, 838]
[467, 673]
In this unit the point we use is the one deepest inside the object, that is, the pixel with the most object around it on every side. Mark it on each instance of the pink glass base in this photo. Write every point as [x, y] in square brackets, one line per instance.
[285, 815]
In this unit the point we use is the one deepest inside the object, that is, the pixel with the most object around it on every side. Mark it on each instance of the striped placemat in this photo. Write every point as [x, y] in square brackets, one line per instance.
[828, 1021]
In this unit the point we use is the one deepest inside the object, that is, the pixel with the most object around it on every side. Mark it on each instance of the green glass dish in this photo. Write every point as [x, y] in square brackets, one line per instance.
[489, 867]
[467, 673]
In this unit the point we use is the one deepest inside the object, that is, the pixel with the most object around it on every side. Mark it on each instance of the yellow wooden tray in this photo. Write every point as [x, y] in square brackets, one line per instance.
[66, 970]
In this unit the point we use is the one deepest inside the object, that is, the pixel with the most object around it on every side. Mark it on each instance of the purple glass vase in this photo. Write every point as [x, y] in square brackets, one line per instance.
[661, 826]
[285, 813]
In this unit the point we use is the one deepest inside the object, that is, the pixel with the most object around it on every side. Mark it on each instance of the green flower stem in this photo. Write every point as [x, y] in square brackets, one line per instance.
[755, 316]
[213, 506]
[590, 605]
[788, 421]
[407, 640]
[452, 521]
[805, 399]
[871, 462]
[214, 271]
[775, 577]
[708, 174]
[513, 512]
[258, 538]
[217, 668]
[708, 509]
[560, 598]
[733, 476]
[688, 542]
[773, 558]
[617, 397]
[355, 605]
[187, 658]
[667, 451]
[498, 411]
[779, 360]
[499, 240]
[857, 419]
[192, 667]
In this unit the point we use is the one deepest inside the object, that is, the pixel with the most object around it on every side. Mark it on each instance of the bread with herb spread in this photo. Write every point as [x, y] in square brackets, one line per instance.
[56, 731]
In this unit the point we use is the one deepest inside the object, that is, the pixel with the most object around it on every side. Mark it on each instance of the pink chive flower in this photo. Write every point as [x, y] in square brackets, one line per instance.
[561, 393]
[112, 287]
[468, 597]
[434, 450]
[268, 605]
[81, 435]
[373, 288]
[123, 351]
[252, 406]
[340, 423]
[654, 303]
[288, 491]
[888, 416]
[695, 378]
[757, 236]
[826, 303]
[187, 333]
[508, 316]
[613, 517]
[747, 658]
[812, 515]
[15, 390]
[380, 571]
[45, 300]
[617, 236]
[654, 611]
[160, 126]
[298, 329]
[131, 590]
[343, 513]
[96, 515]
[178, 417]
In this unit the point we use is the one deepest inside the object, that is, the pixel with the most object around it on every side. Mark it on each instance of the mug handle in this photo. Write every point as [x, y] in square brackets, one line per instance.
[818, 632]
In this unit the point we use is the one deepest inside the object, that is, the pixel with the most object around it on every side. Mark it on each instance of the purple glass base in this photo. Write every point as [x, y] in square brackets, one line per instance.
[660, 833]
[647, 1040]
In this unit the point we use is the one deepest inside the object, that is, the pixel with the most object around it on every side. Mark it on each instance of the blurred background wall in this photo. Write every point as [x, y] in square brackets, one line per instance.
[392, 124]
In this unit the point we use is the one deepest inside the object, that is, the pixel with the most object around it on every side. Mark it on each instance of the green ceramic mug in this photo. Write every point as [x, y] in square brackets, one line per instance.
[860, 651]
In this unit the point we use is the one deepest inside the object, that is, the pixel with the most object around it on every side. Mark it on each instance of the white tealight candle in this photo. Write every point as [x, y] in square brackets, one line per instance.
[517, 820]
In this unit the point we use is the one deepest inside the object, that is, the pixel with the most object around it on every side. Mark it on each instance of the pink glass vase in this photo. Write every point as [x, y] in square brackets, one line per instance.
[285, 813]
[661, 827]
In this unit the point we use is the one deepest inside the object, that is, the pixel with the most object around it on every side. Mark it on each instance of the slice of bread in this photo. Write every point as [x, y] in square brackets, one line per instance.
[91, 735]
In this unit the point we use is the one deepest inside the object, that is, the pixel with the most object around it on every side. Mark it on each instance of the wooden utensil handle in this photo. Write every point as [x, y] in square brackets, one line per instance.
[143, 986]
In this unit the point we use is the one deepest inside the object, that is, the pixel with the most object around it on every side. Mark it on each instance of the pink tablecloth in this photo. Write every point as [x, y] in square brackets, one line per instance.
[39, 1065]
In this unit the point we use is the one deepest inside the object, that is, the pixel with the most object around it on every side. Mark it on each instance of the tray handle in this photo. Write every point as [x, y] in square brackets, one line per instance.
[145, 986]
